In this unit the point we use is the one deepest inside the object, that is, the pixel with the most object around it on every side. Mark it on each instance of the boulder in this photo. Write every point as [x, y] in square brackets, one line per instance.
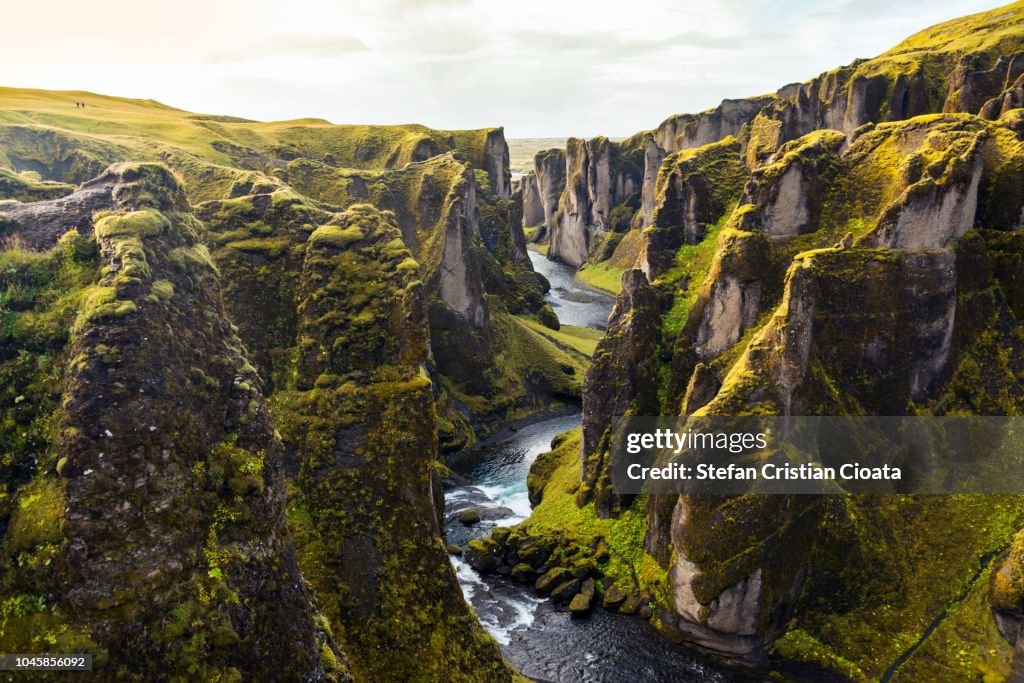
[523, 573]
[483, 555]
[469, 516]
[613, 597]
[552, 578]
[564, 592]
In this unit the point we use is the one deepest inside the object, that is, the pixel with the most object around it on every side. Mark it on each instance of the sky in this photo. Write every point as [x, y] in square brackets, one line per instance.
[541, 68]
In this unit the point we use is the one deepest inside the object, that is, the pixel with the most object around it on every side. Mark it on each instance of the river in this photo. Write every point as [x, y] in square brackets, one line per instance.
[538, 638]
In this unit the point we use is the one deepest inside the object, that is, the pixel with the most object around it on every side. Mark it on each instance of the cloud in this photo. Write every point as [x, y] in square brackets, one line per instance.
[314, 46]
[614, 43]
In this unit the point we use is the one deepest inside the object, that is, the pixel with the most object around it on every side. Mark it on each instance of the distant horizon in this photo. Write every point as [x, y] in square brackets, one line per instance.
[456, 64]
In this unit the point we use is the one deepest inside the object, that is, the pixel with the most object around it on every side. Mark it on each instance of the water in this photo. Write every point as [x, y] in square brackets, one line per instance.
[574, 302]
[539, 638]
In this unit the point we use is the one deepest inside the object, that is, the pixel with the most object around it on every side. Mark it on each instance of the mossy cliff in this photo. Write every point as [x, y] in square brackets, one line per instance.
[129, 393]
[469, 252]
[871, 274]
[695, 189]
[128, 383]
[358, 423]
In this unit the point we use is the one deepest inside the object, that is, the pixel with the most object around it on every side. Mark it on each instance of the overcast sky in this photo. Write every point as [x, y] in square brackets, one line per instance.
[541, 68]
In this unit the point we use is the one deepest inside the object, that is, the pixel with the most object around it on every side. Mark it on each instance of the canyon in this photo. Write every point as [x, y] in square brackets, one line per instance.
[246, 369]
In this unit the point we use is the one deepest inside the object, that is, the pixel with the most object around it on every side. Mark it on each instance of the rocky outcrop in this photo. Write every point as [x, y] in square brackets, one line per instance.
[467, 245]
[732, 306]
[928, 73]
[533, 207]
[938, 207]
[894, 317]
[600, 176]
[41, 223]
[694, 191]
[621, 381]
[989, 90]
[549, 167]
[459, 281]
[653, 158]
[360, 423]
[495, 162]
[686, 131]
[789, 190]
[158, 405]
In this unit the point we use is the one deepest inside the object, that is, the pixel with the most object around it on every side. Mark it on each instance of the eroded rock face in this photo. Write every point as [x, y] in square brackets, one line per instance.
[694, 191]
[687, 131]
[533, 207]
[789, 190]
[891, 87]
[939, 207]
[459, 279]
[653, 157]
[361, 423]
[40, 224]
[619, 382]
[732, 307]
[978, 85]
[550, 168]
[496, 163]
[601, 175]
[858, 275]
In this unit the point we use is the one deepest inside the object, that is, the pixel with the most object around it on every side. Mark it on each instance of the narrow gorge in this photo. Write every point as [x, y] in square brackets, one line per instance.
[297, 400]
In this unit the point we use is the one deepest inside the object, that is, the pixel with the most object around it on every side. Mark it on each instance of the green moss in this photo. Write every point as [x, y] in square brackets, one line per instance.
[798, 646]
[28, 186]
[362, 530]
[101, 302]
[966, 644]
[270, 247]
[929, 574]
[37, 516]
[692, 265]
[139, 224]
[558, 515]
[336, 236]
[237, 468]
[163, 290]
[528, 371]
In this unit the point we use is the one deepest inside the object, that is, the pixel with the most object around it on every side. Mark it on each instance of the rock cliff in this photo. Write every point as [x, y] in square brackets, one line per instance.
[601, 176]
